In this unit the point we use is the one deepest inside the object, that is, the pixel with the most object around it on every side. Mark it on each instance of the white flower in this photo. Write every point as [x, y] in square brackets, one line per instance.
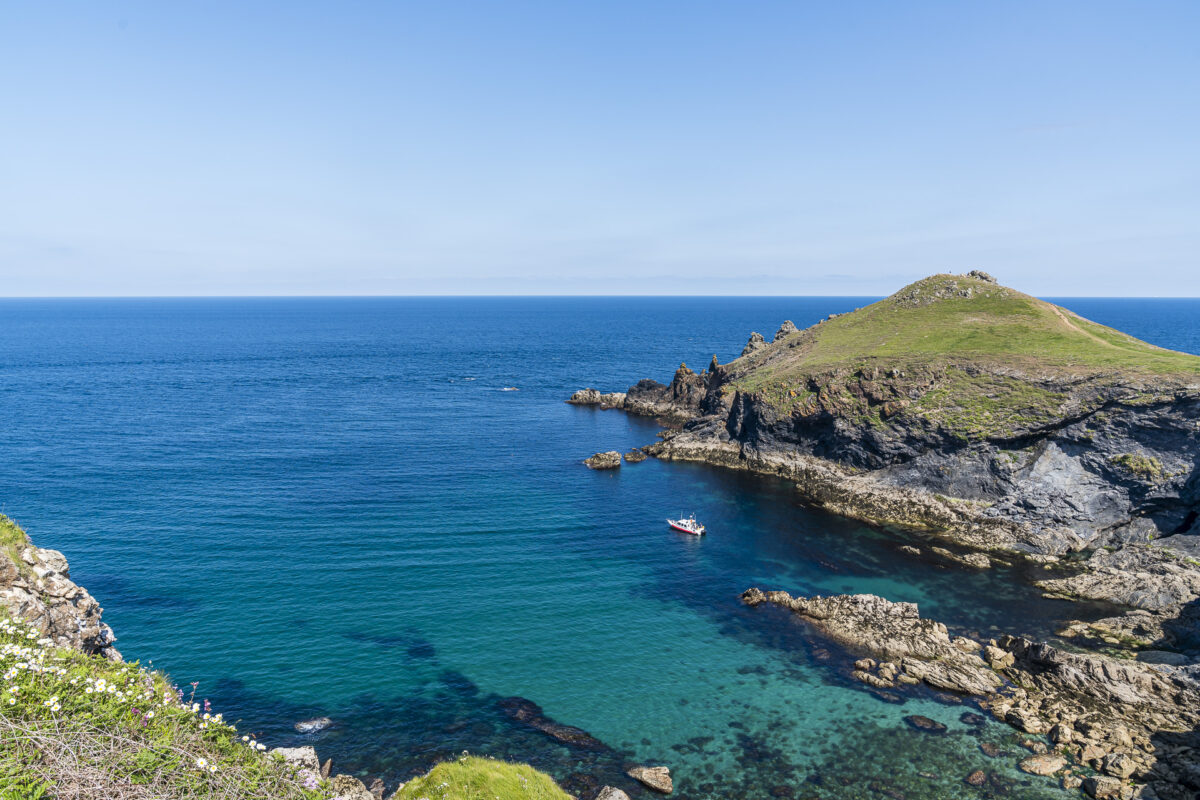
[201, 762]
[150, 714]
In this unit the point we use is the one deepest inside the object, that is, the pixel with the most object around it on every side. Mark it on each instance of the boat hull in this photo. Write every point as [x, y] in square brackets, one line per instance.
[682, 529]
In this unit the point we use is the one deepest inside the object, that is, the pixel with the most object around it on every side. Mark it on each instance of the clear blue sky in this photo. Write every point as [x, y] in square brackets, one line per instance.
[177, 148]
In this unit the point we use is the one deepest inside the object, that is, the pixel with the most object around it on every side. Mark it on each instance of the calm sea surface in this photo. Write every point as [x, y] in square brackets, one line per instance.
[330, 506]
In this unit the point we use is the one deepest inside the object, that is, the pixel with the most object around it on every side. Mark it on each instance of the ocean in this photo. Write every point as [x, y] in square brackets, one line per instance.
[334, 507]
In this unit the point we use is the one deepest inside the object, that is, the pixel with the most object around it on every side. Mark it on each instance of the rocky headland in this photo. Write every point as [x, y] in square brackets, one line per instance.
[1016, 429]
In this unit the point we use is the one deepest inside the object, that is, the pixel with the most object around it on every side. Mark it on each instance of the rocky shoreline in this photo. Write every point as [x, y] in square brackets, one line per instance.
[1136, 726]
[1085, 468]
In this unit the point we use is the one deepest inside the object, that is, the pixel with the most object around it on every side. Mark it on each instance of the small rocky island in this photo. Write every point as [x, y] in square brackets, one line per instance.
[1018, 430]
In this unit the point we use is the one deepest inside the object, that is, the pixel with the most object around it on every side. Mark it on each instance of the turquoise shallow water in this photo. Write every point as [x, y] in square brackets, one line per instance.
[330, 507]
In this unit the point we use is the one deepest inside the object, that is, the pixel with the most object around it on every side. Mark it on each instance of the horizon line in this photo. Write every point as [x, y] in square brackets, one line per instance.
[523, 296]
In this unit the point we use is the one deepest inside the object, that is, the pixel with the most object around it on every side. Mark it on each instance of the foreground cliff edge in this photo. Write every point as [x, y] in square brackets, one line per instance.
[78, 723]
[1017, 429]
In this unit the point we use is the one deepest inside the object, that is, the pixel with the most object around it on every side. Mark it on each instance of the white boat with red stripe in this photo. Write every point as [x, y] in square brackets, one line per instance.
[687, 525]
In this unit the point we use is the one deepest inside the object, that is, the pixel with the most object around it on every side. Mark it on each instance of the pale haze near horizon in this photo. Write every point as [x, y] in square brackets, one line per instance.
[611, 148]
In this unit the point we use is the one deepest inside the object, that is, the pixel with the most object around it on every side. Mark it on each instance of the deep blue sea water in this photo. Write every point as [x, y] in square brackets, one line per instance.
[330, 506]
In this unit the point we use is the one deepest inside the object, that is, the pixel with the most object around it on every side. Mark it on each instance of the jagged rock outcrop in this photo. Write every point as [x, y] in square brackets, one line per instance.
[786, 329]
[36, 585]
[757, 342]
[1125, 719]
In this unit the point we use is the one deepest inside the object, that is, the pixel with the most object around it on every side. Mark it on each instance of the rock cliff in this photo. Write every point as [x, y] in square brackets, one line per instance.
[36, 585]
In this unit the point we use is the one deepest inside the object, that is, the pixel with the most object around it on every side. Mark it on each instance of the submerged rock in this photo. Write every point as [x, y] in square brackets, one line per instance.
[976, 778]
[656, 778]
[530, 713]
[312, 725]
[924, 724]
[610, 459]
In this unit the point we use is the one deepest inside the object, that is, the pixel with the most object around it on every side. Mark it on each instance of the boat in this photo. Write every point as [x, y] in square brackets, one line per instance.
[687, 525]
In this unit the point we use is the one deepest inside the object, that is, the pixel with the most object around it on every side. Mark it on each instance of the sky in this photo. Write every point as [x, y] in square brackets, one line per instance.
[712, 148]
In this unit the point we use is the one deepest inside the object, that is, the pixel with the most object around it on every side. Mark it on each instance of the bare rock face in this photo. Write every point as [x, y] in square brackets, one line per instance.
[610, 459]
[786, 329]
[36, 586]
[981, 275]
[302, 757]
[656, 778]
[635, 456]
[348, 787]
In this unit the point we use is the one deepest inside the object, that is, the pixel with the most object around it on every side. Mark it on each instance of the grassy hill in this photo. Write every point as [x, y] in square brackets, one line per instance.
[960, 352]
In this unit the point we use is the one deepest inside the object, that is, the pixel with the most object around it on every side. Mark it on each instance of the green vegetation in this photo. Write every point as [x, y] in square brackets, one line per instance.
[976, 358]
[1146, 466]
[73, 725]
[12, 540]
[474, 778]
[978, 406]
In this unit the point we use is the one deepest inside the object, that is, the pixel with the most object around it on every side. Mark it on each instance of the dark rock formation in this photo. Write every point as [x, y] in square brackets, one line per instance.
[610, 459]
[636, 455]
[530, 713]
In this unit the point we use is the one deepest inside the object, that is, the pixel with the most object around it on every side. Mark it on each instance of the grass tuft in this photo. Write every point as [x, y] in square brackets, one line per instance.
[475, 778]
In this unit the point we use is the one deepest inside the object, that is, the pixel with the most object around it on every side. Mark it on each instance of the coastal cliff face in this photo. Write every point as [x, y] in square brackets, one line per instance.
[36, 586]
[957, 404]
[1057, 433]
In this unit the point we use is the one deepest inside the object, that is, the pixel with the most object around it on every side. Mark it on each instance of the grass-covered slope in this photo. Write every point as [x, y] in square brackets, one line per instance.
[962, 353]
[963, 317]
[79, 726]
[474, 778]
